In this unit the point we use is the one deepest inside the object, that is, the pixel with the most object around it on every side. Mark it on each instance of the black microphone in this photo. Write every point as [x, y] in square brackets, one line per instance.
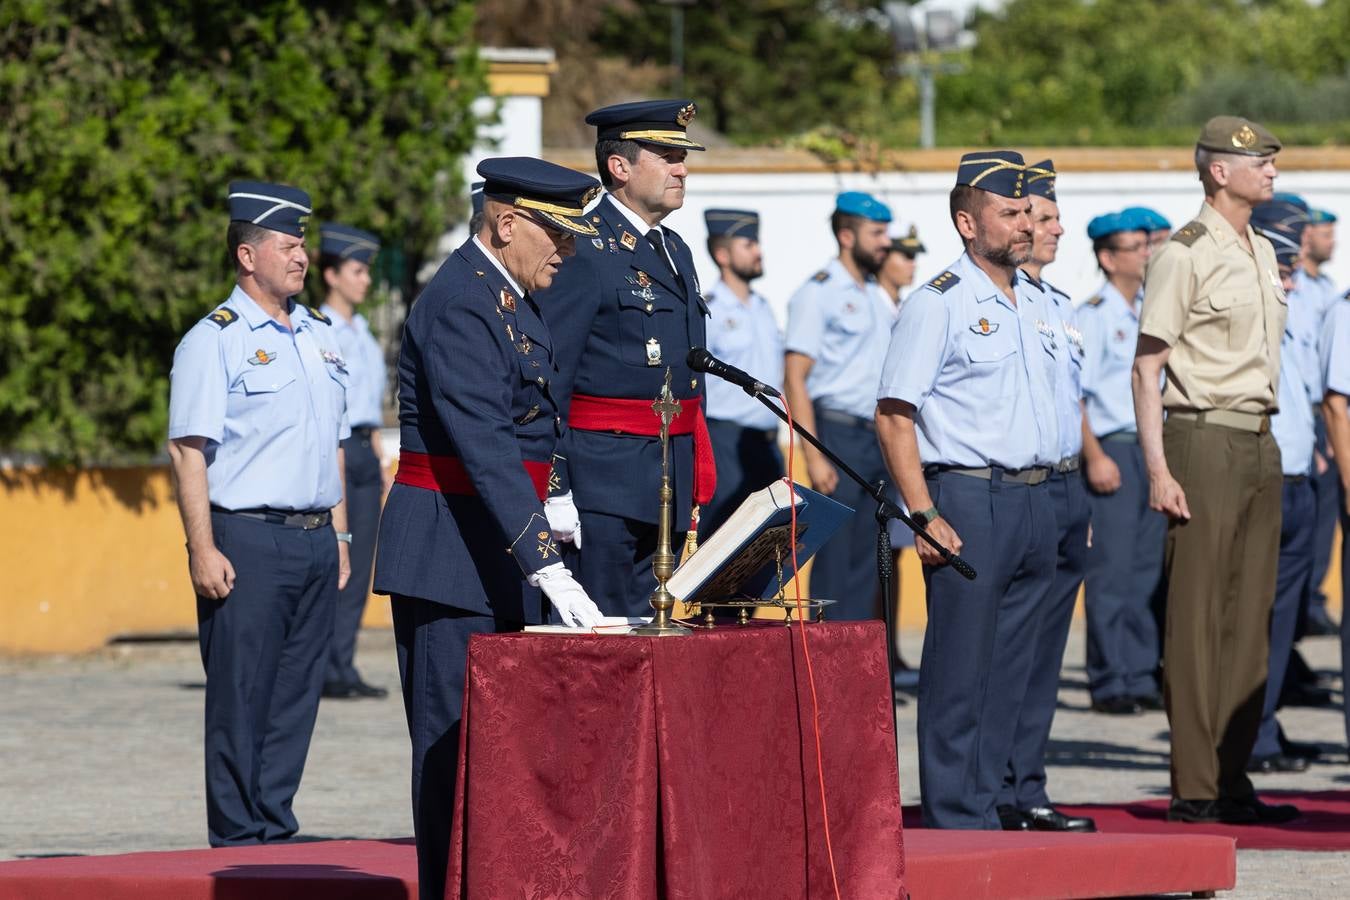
[700, 360]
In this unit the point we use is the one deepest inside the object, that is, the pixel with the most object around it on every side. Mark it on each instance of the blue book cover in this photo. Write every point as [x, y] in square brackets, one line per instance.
[742, 559]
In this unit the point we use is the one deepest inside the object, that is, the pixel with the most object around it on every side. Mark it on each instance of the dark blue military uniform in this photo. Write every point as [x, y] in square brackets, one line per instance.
[478, 423]
[621, 317]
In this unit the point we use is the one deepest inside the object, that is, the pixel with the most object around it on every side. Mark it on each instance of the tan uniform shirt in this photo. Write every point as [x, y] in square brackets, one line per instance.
[1221, 310]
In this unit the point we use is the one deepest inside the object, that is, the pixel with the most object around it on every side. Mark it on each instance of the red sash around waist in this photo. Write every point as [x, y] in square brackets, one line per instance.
[447, 475]
[636, 417]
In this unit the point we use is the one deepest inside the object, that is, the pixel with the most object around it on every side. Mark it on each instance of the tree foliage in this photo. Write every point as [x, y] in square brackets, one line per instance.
[124, 122]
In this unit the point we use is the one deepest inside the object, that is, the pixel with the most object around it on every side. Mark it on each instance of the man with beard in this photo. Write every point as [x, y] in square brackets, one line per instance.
[967, 421]
[1024, 803]
[467, 544]
[1213, 315]
[627, 309]
[743, 333]
[838, 326]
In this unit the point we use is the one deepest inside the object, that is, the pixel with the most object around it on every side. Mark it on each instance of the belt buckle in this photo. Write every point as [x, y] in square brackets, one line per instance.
[312, 521]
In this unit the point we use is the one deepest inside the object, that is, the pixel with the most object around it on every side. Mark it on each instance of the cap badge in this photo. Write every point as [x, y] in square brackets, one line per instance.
[1244, 138]
[686, 115]
[260, 357]
[643, 279]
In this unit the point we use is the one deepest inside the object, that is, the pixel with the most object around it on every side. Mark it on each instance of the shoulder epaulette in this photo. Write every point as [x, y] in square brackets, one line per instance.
[223, 316]
[314, 311]
[820, 276]
[1097, 300]
[1189, 233]
[945, 282]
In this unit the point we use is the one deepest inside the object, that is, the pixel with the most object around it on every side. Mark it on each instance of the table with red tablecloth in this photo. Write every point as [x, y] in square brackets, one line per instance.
[617, 766]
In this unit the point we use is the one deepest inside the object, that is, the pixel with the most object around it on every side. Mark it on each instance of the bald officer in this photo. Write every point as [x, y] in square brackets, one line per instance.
[743, 333]
[466, 542]
[967, 421]
[625, 309]
[257, 414]
[838, 326]
[1213, 315]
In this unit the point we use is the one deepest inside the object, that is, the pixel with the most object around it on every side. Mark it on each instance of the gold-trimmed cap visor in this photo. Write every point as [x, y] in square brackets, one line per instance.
[663, 138]
[554, 195]
[559, 217]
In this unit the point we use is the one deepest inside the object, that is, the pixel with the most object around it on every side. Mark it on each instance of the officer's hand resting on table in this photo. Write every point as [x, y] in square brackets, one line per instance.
[563, 519]
[568, 597]
[944, 535]
[212, 575]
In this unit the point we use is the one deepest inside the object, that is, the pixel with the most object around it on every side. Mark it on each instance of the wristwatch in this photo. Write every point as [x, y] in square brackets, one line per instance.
[344, 536]
[925, 516]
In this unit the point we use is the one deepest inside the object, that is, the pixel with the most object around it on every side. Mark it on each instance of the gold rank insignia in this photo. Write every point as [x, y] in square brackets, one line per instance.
[629, 241]
[260, 357]
[984, 326]
[545, 544]
[686, 115]
[508, 301]
[223, 316]
[944, 282]
[554, 479]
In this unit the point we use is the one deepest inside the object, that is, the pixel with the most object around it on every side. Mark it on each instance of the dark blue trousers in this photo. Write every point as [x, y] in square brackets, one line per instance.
[1024, 786]
[614, 564]
[433, 645]
[747, 459]
[845, 568]
[263, 652]
[1124, 576]
[1298, 530]
[363, 521]
[980, 642]
[1330, 502]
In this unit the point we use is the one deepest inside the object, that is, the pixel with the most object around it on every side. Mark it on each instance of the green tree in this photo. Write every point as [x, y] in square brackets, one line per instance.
[124, 122]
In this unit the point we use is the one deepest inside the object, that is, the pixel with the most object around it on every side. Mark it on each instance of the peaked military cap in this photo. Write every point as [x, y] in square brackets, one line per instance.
[732, 223]
[278, 207]
[1108, 224]
[1001, 172]
[346, 242]
[1151, 219]
[660, 122]
[553, 195]
[476, 197]
[1041, 179]
[857, 203]
[909, 244]
[1234, 134]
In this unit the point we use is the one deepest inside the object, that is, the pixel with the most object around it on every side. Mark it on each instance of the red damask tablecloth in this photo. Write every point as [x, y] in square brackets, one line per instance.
[636, 767]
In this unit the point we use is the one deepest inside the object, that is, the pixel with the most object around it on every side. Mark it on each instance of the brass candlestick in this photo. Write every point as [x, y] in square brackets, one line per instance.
[663, 562]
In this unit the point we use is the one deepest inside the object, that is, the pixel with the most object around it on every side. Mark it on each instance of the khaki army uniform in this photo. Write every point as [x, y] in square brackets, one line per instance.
[1221, 310]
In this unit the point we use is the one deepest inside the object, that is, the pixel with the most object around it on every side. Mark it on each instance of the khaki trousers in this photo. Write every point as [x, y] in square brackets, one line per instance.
[1220, 569]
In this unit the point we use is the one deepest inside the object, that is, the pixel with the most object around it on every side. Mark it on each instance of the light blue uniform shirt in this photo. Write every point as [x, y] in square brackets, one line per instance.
[1335, 348]
[272, 405]
[1321, 288]
[1292, 427]
[975, 369]
[744, 335]
[1063, 343]
[1308, 306]
[844, 328]
[366, 376]
[1110, 331]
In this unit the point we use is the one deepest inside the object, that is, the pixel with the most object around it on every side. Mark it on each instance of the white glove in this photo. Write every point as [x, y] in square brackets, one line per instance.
[569, 598]
[564, 519]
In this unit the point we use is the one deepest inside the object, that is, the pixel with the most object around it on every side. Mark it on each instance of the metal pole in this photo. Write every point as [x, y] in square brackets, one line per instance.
[927, 103]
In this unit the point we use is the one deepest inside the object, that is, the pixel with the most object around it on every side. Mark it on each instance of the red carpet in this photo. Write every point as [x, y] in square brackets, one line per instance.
[941, 864]
[1325, 824]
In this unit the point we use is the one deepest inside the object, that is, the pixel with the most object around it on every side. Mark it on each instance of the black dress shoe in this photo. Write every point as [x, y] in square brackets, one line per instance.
[1011, 818]
[1299, 749]
[1153, 702]
[1277, 762]
[1117, 706]
[338, 690]
[1305, 695]
[1319, 624]
[374, 692]
[1225, 811]
[1269, 813]
[1047, 818]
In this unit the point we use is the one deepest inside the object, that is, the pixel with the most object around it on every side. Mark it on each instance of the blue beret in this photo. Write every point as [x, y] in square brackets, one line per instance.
[857, 203]
[1108, 224]
[1001, 172]
[1041, 179]
[1280, 217]
[476, 196]
[1152, 219]
[732, 223]
[346, 242]
[1288, 197]
[1321, 216]
[553, 195]
[660, 122]
[278, 207]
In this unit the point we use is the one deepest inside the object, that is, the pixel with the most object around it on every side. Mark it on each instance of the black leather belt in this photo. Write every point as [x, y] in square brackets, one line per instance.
[308, 520]
[1295, 479]
[843, 418]
[362, 431]
[1121, 437]
[1029, 475]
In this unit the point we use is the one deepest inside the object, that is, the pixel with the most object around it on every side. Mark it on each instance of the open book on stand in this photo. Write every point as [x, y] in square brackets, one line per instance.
[746, 556]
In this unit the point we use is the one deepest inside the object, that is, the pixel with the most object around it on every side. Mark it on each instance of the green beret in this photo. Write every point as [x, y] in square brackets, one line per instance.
[1234, 134]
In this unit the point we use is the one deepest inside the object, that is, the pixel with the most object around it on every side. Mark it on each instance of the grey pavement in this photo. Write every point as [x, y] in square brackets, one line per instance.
[102, 754]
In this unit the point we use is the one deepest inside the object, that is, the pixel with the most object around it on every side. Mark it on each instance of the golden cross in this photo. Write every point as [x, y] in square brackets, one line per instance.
[667, 407]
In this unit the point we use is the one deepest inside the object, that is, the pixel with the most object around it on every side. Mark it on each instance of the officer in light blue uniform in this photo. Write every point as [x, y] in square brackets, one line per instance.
[1293, 430]
[467, 543]
[345, 256]
[1335, 347]
[967, 420]
[625, 309]
[742, 332]
[1125, 561]
[1025, 804]
[257, 414]
[838, 327]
